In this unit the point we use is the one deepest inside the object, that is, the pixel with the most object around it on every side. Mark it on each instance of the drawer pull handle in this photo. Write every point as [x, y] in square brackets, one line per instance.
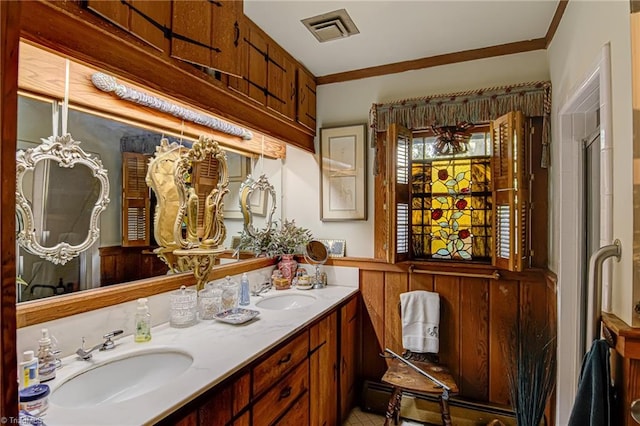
[285, 393]
[285, 359]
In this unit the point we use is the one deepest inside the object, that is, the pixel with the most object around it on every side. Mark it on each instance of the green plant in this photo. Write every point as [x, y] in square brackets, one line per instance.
[289, 239]
[276, 241]
[531, 370]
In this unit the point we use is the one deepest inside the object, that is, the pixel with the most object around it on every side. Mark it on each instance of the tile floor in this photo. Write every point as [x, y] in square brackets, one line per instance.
[358, 417]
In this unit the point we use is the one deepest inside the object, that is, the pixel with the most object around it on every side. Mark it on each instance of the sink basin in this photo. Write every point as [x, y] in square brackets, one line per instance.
[285, 302]
[121, 379]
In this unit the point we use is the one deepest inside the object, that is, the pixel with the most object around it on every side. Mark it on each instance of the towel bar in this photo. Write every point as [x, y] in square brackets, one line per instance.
[495, 275]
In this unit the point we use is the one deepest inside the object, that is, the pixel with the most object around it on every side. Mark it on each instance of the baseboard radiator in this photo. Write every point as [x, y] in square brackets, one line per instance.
[424, 408]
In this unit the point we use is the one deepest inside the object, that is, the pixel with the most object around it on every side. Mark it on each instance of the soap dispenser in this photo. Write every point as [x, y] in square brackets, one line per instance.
[46, 359]
[143, 322]
[244, 290]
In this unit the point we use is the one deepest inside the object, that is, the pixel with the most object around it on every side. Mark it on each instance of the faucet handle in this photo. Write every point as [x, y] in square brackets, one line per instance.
[111, 334]
[108, 343]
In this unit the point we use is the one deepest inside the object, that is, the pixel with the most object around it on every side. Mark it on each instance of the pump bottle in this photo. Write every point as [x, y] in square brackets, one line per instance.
[143, 322]
[46, 359]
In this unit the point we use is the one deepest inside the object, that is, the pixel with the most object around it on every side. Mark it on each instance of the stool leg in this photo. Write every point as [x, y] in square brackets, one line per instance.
[393, 408]
[444, 409]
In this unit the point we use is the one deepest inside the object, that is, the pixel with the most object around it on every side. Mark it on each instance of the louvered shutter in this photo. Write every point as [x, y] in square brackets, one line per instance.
[136, 215]
[399, 145]
[205, 178]
[510, 192]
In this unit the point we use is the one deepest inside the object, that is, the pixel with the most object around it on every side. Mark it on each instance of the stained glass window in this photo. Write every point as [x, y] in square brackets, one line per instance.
[451, 200]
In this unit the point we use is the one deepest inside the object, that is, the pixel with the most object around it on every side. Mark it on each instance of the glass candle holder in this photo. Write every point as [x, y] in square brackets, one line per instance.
[209, 302]
[230, 293]
[183, 306]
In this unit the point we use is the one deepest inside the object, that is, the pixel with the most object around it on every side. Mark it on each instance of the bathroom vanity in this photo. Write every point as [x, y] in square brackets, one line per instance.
[287, 366]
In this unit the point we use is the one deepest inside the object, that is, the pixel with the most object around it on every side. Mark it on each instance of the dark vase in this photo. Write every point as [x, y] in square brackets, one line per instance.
[287, 266]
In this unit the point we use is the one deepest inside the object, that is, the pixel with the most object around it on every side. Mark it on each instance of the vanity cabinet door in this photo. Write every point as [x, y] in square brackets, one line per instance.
[277, 400]
[348, 355]
[323, 371]
[298, 415]
[276, 365]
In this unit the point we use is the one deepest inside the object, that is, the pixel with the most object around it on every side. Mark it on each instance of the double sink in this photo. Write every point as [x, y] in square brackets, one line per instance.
[140, 372]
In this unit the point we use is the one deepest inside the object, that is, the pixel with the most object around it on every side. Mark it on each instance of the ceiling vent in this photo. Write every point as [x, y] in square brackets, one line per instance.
[331, 25]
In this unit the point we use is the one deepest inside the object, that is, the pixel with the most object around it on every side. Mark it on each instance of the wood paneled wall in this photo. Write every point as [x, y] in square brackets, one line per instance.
[476, 315]
[9, 34]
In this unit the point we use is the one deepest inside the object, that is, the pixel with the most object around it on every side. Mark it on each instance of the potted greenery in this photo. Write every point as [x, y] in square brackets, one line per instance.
[284, 241]
[287, 241]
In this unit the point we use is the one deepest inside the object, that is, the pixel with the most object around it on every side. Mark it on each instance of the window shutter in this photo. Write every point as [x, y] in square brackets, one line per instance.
[205, 179]
[136, 216]
[510, 192]
[399, 145]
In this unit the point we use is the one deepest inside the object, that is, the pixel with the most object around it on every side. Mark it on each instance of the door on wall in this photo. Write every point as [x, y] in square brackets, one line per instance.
[591, 219]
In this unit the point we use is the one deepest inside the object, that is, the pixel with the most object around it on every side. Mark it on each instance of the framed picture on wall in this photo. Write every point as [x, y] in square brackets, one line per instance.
[335, 248]
[343, 166]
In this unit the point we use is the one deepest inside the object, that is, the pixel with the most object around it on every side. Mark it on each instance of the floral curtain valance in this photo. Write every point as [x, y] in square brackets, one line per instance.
[474, 106]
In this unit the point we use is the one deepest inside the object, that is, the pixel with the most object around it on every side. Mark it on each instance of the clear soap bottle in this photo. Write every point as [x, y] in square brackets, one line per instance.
[244, 290]
[46, 359]
[143, 322]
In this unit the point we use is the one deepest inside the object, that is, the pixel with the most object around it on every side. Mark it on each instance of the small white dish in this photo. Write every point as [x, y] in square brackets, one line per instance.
[237, 316]
[304, 287]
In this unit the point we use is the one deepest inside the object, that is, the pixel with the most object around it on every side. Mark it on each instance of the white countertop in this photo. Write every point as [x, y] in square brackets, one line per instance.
[218, 350]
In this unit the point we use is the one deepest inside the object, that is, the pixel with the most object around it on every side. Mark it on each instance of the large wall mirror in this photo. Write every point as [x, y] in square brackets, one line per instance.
[124, 250]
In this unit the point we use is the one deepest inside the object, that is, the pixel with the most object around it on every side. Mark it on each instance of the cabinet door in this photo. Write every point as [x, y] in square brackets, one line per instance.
[113, 11]
[148, 21]
[225, 35]
[191, 25]
[306, 99]
[348, 355]
[257, 76]
[281, 82]
[297, 415]
[240, 82]
[323, 368]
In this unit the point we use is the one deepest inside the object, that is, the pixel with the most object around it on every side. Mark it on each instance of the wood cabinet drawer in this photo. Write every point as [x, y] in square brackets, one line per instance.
[279, 397]
[298, 414]
[271, 369]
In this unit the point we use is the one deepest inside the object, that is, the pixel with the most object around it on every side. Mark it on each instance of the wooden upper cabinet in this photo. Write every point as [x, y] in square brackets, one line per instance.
[150, 21]
[281, 84]
[147, 20]
[207, 33]
[113, 11]
[306, 99]
[268, 72]
[257, 65]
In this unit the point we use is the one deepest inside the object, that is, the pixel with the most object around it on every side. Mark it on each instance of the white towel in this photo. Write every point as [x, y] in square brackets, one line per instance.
[420, 312]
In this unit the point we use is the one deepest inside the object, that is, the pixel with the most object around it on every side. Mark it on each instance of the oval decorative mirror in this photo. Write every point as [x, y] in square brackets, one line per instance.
[316, 253]
[257, 197]
[58, 225]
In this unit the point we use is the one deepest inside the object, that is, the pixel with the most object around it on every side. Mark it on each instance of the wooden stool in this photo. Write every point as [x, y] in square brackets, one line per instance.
[404, 378]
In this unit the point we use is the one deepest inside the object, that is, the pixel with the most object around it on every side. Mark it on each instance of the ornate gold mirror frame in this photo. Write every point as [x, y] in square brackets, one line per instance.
[190, 185]
[248, 187]
[67, 153]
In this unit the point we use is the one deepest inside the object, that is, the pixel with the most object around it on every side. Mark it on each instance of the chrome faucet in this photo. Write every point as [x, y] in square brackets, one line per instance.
[264, 287]
[104, 346]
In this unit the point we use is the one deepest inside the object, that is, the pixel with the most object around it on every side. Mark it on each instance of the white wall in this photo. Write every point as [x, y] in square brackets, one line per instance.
[585, 28]
[349, 103]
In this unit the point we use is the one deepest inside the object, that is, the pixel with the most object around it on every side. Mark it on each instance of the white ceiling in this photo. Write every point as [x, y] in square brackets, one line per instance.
[395, 31]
